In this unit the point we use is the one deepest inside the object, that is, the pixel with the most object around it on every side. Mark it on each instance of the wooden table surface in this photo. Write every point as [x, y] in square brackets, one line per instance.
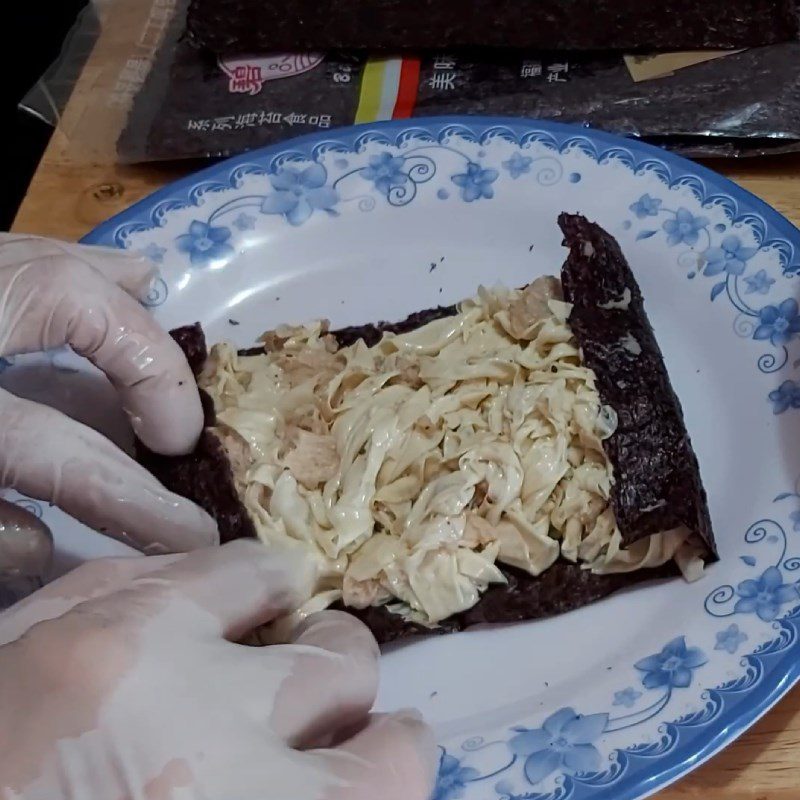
[67, 197]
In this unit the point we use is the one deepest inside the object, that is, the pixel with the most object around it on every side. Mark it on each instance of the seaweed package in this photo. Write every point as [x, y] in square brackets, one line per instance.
[195, 105]
[155, 95]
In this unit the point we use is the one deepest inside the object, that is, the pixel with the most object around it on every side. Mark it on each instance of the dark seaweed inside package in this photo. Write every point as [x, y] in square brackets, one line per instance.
[238, 26]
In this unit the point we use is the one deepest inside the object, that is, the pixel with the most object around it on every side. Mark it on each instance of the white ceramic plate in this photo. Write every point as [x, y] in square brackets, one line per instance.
[624, 696]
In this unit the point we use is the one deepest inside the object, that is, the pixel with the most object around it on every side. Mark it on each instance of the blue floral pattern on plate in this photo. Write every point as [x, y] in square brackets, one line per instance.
[728, 257]
[205, 244]
[673, 666]
[476, 182]
[565, 742]
[731, 256]
[626, 697]
[154, 253]
[684, 227]
[730, 639]
[518, 165]
[764, 595]
[787, 395]
[298, 193]
[646, 206]
[759, 282]
[738, 254]
[452, 778]
[245, 222]
[386, 172]
[780, 324]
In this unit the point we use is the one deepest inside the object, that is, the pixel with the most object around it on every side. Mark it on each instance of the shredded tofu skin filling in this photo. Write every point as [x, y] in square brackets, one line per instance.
[409, 470]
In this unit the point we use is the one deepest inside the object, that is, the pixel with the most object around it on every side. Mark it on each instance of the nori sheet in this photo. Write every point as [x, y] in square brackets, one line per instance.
[205, 475]
[658, 484]
[253, 26]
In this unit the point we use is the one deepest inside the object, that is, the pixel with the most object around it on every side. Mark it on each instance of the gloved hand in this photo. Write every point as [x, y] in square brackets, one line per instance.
[51, 294]
[120, 681]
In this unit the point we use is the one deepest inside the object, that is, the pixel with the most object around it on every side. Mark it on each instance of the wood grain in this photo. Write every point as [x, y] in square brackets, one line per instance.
[67, 198]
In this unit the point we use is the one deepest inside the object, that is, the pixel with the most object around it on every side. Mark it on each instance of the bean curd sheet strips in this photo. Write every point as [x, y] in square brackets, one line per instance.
[409, 470]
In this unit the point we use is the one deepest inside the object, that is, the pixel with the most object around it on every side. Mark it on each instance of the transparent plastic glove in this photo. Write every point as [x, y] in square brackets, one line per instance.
[120, 681]
[51, 294]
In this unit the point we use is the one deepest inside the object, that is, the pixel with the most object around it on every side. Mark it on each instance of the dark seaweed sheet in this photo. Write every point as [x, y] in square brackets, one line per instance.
[205, 476]
[250, 26]
[563, 587]
[658, 484]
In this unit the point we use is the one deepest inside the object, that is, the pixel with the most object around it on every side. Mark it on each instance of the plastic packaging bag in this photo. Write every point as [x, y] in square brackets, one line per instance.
[88, 92]
[148, 94]
[194, 105]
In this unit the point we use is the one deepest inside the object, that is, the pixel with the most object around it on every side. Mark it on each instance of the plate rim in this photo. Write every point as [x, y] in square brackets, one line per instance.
[682, 758]
[102, 233]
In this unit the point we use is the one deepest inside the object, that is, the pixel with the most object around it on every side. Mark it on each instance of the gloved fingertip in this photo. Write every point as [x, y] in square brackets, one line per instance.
[207, 530]
[406, 723]
[402, 750]
[337, 631]
[167, 419]
[410, 716]
[117, 253]
[409, 725]
[175, 525]
[288, 571]
[131, 270]
[198, 531]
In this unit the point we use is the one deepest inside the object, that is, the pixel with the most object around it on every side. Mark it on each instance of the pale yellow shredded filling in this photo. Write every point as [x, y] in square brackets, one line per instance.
[410, 469]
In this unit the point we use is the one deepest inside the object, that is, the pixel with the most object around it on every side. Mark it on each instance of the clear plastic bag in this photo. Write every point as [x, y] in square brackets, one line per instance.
[87, 94]
[146, 93]
[747, 103]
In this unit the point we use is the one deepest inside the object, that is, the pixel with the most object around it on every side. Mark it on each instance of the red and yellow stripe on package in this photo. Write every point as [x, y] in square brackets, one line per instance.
[388, 89]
